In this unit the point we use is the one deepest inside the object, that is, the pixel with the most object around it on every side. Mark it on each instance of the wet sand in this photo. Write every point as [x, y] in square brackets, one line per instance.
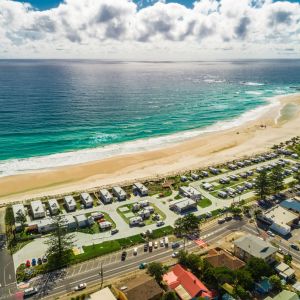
[211, 148]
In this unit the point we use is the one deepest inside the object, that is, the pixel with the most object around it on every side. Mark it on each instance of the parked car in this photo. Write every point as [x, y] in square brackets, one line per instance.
[33, 262]
[161, 243]
[145, 247]
[80, 287]
[114, 231]
[270, 233]
[221, 221]
[142, 265]
[160, 223]
[155, 245]
[39, 261]
[30, 292]
[135, 251]
[27, 264]
[123, 255]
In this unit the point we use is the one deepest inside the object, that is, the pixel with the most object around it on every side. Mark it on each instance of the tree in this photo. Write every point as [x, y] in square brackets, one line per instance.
[236, 211]
[60, 244]
[156, 270]
[287, 259]
[262, 185]
[190, 261]
[297, 176]
[186, 225]
[239, 292]
[21, 218]
[258, 268]
[244, 279]
[276, 179]
[169, 296]
[276, 283]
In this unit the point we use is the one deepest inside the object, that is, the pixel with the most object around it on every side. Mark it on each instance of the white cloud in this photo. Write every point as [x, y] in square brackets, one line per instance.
[118, 29]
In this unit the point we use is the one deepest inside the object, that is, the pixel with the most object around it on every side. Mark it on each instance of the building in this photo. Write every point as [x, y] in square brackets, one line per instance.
[119, 193]
[135, 221]
[140, 189]
[37, 209]
[105, 294]
[190, 192]
[186, 285]
[45, 225]
[144, 203]
[183, 205]
[70, 203]
[250, 246]
[70, 222]
[207, 186]
[220, 258]
[105, 196]
[141, 287]
[87, 200]
[81, 221]
[284, 271]
[281, 219]
[284, 295]
[145, 214]
[53, 206]
[105, 225]
[291, 204]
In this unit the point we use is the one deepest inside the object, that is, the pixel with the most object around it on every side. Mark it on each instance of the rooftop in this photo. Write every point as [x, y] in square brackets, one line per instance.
[284, 295]
[182, 203]
[291, 204]
[103, 294]
[142, 287]
[37, 206]
[186, 284]
[221, 258]
[280, 215]
[81, 218]
[255, 246]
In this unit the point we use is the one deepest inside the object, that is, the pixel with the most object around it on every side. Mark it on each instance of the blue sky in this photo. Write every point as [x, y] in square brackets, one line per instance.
[46, 4]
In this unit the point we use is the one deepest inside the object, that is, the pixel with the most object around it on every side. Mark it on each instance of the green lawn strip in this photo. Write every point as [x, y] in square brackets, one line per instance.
[204, 203]
[163, 231]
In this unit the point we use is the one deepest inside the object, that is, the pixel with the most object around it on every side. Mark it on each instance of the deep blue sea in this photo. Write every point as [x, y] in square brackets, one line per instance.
[59, 112]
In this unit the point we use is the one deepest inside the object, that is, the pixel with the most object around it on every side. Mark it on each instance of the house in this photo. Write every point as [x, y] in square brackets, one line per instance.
[250, 246]
[105, 225]
[70, 203]
[135, 221]
[37, 209]
[183, 205]
[45, 225]
[53, 206]
[144, 203]
[186, 285]
[18, 210]
[190, 192]
[119, 193]
[195, 176]
[284, 271]
[220, 258]
[139, 188]
[207, 186]
[284, 295]
[87, 200]
[81, 221]
[105, 196]
[70, 222]
[281, 219]
[141, 287]
[144, 214]
[105, 294]
[135, 207]
[291, 204]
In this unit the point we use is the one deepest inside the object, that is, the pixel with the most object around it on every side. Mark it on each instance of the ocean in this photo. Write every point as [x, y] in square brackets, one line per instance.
[62, 112]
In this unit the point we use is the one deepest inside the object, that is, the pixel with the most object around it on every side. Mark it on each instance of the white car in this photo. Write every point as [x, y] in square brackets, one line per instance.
[161, 243]
[155, 245]
[80, 287]
[135, 251]
[270, 233]
[175, 254]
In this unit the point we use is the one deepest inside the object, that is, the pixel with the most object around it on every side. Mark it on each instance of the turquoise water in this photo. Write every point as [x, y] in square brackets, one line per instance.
[56, 113]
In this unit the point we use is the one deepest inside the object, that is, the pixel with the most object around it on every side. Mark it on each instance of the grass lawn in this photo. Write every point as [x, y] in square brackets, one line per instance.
[163, 231]
[204, 203]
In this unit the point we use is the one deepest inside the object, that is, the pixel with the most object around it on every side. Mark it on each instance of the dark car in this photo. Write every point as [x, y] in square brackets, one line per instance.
[175, 245]
[295, 247]
[142, 224]
[33, 262]
[39, 261]
[123, 256]
[228, 218]
[114, 231]
[145, 247]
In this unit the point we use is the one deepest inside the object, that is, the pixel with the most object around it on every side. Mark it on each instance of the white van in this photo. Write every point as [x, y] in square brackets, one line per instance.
[166, 240]
[150, 245]
[135, 250]
[30, 291]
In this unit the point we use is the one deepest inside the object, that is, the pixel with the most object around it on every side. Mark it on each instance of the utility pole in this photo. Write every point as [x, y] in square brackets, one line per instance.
[101, 274]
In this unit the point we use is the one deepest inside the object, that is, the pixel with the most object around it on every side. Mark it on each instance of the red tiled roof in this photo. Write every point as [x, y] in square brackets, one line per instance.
[179, 276]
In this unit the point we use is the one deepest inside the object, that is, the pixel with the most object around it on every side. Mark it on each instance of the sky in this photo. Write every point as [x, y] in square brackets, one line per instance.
[150, 29]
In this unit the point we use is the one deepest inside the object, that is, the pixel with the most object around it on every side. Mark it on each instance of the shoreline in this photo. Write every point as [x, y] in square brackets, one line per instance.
[282, 122]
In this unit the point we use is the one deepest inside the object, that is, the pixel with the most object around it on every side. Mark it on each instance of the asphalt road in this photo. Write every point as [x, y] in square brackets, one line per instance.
[56, 284]
[7, 275]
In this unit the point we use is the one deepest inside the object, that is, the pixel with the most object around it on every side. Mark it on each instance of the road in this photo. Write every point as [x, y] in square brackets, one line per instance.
[8, 284]
[59, 283]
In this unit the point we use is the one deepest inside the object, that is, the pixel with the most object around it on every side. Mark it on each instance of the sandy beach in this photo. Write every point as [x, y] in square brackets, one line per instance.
[278, 124]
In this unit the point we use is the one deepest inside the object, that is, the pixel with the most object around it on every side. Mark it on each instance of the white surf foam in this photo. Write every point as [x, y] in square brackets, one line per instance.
[250, 83]
[18, 166]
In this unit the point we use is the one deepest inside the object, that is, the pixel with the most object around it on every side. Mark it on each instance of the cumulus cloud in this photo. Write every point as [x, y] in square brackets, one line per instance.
[81, 27]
